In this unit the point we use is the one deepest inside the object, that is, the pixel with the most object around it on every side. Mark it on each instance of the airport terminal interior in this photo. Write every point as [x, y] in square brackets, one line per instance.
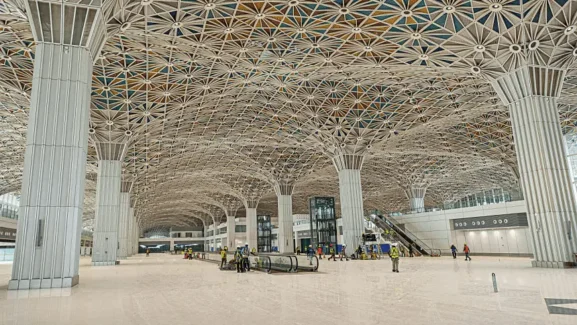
[288, 162]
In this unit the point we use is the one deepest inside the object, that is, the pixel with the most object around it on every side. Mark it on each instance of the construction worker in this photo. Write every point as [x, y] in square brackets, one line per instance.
[394, 255]
[190, 253]
[332, 252]
[320, 252]
[222, 258]
[466, 250]
[253, 251]
[344, 252]
[454, 251]
[238, 260]
[245, 258]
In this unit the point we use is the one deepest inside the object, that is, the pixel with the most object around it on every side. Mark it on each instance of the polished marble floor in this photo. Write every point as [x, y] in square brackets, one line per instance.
[164, 289]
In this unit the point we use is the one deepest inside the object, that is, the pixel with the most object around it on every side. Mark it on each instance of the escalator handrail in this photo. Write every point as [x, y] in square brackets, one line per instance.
[408, 233]
[296, 268]
[317, 264]
[424, 248]
[401, 234]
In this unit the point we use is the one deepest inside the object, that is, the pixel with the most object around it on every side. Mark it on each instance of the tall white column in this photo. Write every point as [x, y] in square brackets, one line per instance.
[107, 212]
[231, 232]
[416, 196]
[123, 221]
[51, 203]
[251, 223]
[130, 233]
[214, 231]
[531, 94]
[285, 237]
[351, 194]
[136, 239]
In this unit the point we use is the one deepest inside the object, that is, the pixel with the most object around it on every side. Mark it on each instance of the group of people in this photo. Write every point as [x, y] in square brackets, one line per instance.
[320, 252]
[241, 258]
[466, 250]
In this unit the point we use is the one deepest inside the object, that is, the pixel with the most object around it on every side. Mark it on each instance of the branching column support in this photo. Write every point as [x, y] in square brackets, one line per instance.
[250, 206]
[531, 93]
[416, 196]
[51, 205]
[351, 193]
[284, 191]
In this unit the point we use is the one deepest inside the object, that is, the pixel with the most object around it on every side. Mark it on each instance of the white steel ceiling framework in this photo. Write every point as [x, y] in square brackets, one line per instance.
[220, 100]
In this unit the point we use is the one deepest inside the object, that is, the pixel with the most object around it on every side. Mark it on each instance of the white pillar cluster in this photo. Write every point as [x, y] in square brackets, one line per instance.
[52, 195]
[284, 191]
[251, 222]
[531, 94]
[351, 194]
[416, 196]
[123, 221]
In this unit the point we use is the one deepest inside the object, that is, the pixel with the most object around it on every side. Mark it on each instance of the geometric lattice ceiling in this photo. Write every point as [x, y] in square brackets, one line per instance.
[217, 100]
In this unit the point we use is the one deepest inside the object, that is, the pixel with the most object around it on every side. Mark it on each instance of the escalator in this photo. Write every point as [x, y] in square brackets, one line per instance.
[405, 237]
[271, 263]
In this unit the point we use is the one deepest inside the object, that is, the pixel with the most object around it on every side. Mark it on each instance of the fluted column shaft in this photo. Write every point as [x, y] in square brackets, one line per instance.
[351, 194]
[285, 224]
[251, 228]
[51, 204]
[231, 232]
[531, 94]
[123, 223]
[107, 212]
[130, 233]
[136, 236]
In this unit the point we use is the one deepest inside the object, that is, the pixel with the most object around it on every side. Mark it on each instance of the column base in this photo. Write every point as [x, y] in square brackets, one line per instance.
[43, 283]
[553, 265]
[107, 263]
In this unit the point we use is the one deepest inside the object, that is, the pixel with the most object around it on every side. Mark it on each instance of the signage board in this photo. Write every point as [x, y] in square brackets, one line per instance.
[7, 233]
[488, 222]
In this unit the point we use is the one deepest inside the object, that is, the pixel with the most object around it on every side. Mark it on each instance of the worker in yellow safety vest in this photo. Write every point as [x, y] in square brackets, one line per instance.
[222, 258]
[394, 254]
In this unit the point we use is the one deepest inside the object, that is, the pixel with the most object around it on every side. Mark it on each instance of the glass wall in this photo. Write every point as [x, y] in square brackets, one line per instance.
[497, 195]
[9, 205]
[6, 253]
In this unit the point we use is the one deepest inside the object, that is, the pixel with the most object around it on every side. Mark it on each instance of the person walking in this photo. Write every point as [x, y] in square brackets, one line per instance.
[245, 259]
[394, 254]
[147, 252]
[332, 252]
[344, 252]
[238, 260]
[298, 250]
[222, 258]
[467, 251]
[310, 253]
[454, 251]
[320, 252]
